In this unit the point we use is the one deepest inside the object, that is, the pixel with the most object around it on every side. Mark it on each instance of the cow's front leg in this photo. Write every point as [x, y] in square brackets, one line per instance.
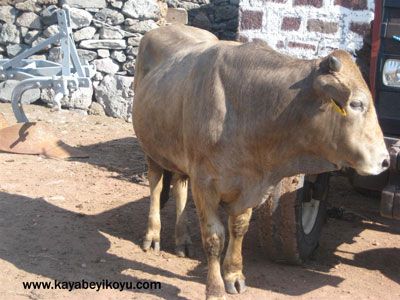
[152, 237]
[183, 241]
[213, 237]
[233, 263]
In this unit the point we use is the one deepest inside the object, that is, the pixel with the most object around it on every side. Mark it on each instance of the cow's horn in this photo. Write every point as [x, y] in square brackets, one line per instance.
[335, 64]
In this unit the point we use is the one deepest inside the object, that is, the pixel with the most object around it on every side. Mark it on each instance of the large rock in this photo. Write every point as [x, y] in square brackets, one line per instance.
[110, 16]
[106, 65]
[141, 9]
[115, 94]
[140, 26]
[9, 34]
[29, 20]
[85, 4]
[85, 33]
[80, 18]
[80, 99]
[7, 87]
[103, 44]
[8, 14]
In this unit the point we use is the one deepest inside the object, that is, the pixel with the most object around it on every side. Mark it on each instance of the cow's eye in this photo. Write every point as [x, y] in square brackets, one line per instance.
[357, 105]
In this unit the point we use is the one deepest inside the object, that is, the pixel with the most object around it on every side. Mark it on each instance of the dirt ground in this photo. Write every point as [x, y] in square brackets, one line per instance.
[85, 218]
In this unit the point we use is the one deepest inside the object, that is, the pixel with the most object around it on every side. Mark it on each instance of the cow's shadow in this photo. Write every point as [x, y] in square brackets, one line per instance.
[44, 239]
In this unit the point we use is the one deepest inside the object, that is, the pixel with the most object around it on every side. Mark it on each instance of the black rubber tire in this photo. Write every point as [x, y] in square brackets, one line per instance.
[279, 219]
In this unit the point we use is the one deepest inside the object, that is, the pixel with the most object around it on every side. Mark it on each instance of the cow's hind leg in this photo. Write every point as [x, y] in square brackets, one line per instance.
[183, 241]
[213, 236]
[155, 176]
[233, 265]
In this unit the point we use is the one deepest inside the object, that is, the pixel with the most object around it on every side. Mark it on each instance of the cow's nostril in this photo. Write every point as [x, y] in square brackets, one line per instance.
[385, 163]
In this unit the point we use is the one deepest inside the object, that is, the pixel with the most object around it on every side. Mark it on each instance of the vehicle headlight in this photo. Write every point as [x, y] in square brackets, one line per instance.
[391, 73]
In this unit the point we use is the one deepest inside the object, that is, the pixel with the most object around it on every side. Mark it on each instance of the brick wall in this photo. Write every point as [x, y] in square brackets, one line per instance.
[307, 28]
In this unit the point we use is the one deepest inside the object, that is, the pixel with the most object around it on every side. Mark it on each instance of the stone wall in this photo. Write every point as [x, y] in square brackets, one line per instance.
[112, 50]
[307, 28]
[218, 16]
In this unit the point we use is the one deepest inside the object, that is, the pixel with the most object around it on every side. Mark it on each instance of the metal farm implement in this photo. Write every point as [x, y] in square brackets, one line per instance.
[63, 78]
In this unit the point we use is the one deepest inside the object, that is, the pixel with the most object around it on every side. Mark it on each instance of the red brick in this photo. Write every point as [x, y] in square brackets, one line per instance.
[301, 45]
[321, 26]
[353, 4]
[316, 3]
[251, 19]
[360, 28]
[290, 23]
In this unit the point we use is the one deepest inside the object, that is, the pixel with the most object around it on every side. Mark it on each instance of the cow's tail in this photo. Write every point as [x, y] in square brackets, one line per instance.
[166, 185]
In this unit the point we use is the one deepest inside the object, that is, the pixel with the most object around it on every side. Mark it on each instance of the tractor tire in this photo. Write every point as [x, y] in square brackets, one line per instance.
[290, 222]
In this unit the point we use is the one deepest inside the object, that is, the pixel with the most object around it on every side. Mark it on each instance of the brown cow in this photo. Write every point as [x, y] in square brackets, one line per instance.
[236, 118]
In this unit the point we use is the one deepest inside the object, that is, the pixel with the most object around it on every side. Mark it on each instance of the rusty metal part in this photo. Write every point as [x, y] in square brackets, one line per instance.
[34, 138]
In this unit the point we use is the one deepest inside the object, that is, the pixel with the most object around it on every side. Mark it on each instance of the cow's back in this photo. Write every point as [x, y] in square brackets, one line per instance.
[165, 43]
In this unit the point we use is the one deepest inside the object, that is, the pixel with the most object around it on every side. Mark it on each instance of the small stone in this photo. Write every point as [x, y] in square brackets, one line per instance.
[129, 66]
[119, 56]
[103, 53]
[135, 40]
[29, 5]
[83, 265]
[117, 3]
[86, 55]
[110, 33]
[110, 16]
[141, 9]
[8, 14]
[30, 36]
[50, 31]
[98, 76]
[132, 51]
[85, 33]
[15, 49]
[103, 44]
[106, 65]
[96, 109]
[9, 34]
[102, 260]
[80, 18]
[140, 26]
[375, 243]
[38, 41]
[85, 4]
[29, 20]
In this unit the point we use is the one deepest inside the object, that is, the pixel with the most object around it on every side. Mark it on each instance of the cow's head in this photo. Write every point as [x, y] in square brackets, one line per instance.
[347, 121]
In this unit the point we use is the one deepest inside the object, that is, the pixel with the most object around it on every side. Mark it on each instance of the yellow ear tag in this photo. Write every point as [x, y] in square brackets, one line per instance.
[338, 109]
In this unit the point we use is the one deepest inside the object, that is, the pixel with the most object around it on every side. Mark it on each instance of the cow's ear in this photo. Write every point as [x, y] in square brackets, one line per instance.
[327, 82]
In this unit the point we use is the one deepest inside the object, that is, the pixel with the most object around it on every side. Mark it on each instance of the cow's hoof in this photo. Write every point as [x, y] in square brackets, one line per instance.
[235, 287]
[148, 244]
[184, 250]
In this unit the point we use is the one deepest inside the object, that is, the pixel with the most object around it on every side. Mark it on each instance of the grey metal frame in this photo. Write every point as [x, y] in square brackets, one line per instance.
[63, 78]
